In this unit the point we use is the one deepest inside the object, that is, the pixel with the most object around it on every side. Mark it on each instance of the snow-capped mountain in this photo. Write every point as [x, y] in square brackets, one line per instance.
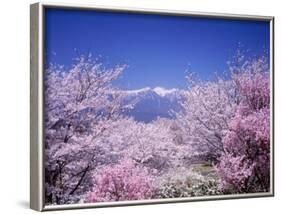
[151, 103]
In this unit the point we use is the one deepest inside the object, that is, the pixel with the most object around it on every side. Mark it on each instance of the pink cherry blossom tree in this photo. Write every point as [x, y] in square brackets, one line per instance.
[152, 145]
[80, 104]
[207, 108]
[245, 165]
[121, 182]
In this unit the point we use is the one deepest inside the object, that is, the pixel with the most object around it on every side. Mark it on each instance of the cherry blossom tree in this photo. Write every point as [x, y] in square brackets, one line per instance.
[207, 108]
[153, 144]
[121, 182]
[80, 104]
[245, 165]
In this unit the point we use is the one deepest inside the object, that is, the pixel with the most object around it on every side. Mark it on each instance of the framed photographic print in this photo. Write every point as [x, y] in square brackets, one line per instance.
[134, 106]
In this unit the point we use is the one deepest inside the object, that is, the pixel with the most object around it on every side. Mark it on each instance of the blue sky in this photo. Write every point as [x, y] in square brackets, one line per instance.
[158, 49]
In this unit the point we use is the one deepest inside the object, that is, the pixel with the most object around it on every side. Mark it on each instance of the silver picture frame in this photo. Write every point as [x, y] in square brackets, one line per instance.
[37, 103]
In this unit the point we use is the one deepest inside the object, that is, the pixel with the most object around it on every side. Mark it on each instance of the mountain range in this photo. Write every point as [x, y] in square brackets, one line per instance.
[151, 103]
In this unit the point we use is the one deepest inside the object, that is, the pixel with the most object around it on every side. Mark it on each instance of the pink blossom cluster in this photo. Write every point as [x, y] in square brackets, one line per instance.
[245, 164]
[121, 182]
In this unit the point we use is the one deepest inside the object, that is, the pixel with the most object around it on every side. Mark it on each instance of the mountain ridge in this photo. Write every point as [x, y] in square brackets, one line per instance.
[151, 103]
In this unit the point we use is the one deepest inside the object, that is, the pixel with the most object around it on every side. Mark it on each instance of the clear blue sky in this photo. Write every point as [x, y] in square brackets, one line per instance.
[157, 48]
